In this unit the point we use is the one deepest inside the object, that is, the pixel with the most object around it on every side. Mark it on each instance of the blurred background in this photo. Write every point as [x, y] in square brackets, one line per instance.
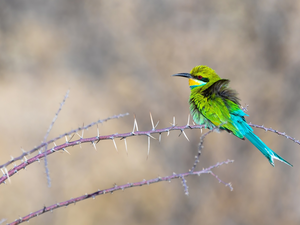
[117, 57]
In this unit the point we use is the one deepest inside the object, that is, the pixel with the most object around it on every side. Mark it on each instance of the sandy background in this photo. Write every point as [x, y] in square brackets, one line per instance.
[117, 57]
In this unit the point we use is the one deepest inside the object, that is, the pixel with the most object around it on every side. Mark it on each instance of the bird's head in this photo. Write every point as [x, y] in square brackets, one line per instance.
[200, 76]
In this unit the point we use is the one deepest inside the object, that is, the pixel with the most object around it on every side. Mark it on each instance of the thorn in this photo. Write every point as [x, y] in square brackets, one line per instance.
[149, 135]
[168, 133]
[82, 132]
[66, 139]
[188, 122]
[12, 158]
[71, 137]
[7, 174]
[23, 150]
[54, 144]
[156, 124]
[126, 145]
[245, 109]
[136, 125]
[185, 135]
[115, 144]
[201, 130]
[180, 133]
[79, 135]
[25, 159]
[173, 124]
[194, 123]
[159, 138]
[148, 147]
[98, 132]
[94, 145]
[153, 127]
[65, 150]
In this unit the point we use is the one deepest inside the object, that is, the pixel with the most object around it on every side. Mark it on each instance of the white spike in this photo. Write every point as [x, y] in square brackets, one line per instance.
[126, 145]
[153, 127]
[94, 145]
[65, 150]
[156, 124]
[148, 146]
[7, 174]
[98, 132]
[188, 122]
[66, 139]
[82, 132]
[136, 125]
[79, 135]
[151, 136]
[133, 126]
[115, 144]
[185, 135]
[159, 138]
[173, 121]
[168, 133]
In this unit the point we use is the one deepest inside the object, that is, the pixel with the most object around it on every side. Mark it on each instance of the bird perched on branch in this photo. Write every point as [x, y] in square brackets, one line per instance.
[215, 105]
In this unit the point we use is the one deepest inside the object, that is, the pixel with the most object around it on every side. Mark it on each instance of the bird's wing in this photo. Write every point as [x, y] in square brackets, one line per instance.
[220, 105]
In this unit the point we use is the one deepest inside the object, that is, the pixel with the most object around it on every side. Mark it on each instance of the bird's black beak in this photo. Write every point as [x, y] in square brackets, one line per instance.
[186, 75]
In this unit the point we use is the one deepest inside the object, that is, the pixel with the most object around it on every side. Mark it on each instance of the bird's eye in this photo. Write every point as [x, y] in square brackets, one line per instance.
[199, 77]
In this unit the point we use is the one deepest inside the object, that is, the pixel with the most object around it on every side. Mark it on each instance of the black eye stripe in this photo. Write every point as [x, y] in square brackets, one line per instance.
[204, 79]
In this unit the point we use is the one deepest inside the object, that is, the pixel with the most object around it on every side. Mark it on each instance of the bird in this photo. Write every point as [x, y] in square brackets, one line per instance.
[215, 105]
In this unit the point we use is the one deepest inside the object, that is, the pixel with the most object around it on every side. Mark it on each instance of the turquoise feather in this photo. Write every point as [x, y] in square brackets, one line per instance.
[247, 131]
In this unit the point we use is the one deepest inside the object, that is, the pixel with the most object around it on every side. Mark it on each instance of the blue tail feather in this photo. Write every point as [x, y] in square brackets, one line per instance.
[265, 150]
[245, 130]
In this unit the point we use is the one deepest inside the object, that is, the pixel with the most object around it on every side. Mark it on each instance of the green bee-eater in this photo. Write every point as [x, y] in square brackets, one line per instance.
[215, 105]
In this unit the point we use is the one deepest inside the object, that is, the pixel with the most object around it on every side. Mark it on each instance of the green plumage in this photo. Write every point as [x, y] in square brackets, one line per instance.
[213, 104]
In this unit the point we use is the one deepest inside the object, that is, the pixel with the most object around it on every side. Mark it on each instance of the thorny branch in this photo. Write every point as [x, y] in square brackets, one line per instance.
[199, 149]
[25, 162]
[275, 131]
[123, 187]
[60, 137]
[94, 140]
[47, 134]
